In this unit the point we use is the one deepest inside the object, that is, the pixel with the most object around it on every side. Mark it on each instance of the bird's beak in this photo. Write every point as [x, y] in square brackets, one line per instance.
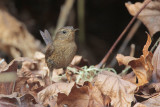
[75, 29]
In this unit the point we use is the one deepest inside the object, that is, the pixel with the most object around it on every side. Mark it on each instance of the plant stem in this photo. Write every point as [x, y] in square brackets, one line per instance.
[126, 41]
[155, 45]
[81, 14]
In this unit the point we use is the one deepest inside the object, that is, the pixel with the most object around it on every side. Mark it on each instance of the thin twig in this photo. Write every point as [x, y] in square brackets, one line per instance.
[122, 34]
[126, 41]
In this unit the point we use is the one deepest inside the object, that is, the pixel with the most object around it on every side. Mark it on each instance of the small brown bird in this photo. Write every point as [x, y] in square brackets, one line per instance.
[62, 49]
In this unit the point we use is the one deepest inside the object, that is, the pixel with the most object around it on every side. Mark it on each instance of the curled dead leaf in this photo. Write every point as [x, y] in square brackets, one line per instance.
[146, 46]
[124, 60]
[142, 67]
[142, 70]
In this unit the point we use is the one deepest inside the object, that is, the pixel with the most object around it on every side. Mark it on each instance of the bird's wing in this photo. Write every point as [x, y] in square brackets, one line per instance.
[50, 50]
[46, 37]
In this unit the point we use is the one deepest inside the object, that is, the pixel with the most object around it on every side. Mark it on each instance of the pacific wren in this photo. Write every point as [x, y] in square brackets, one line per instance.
[62, 49]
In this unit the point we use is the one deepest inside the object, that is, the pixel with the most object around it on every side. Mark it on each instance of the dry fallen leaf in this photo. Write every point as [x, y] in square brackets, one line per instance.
[155, 86]
[56, 73]
[142, 66]
[156, 65]
[142, 70]
[152, 102]
[120, 91]
[6, 76]
[14, 100]
[9, 100]
[26, 85]
[21, 85]
[76, 60]
[78, 97]
[124, 60]
[79, 61]
[9, 74]
[144, 95]
[150, 16]
[13, 65]
[36, 68]
[32, 77]
[46, 94]
[6, 88]
[130, 77]
[40, 58]
[27, 100]
[15, 38]
[96, 98]
[139, 105]
[3, 64]
[146, 46]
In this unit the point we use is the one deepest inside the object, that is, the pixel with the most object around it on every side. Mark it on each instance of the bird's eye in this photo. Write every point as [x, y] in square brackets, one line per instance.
[64, 32]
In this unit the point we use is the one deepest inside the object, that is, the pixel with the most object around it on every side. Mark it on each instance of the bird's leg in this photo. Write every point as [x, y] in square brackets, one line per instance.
[50, 76]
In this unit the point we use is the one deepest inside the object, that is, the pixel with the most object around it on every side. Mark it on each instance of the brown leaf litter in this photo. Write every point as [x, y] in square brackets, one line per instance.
[15, 40]
[150, 16]
[142, 67]
[120, 91]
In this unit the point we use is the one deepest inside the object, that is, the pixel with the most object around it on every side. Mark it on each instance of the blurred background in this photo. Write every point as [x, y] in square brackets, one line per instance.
[100, 23]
